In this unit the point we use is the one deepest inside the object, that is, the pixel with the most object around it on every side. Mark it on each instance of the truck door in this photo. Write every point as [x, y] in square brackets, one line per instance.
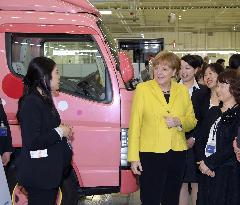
[88, 98]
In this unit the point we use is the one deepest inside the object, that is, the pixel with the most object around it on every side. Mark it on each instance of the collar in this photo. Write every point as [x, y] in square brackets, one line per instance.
[159, 94]
[195, 84]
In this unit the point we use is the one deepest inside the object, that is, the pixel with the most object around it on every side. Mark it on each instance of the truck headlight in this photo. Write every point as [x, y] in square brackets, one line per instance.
[124, 147]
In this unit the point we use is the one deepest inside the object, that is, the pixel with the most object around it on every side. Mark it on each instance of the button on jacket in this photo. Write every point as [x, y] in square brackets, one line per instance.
[148, 131]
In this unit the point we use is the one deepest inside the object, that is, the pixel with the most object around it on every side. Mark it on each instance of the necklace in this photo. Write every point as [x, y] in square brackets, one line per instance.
[225, 108]
[166, 92]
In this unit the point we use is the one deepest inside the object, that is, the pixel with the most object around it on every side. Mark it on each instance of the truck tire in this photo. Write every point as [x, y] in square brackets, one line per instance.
[69, 187]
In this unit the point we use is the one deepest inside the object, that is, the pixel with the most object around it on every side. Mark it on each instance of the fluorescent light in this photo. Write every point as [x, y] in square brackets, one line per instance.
[205, 52]
[72, 52]
[105, 12]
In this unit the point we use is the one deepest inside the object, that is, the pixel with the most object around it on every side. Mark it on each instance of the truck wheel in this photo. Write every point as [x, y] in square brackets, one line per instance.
[19, 196]
[68, 192]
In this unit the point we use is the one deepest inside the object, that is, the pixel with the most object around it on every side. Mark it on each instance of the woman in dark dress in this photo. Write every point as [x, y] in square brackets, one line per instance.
[219, 183]
[197, 92]
[45, 153]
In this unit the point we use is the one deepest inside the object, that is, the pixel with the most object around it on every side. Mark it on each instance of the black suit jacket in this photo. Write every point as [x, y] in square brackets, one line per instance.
[227, 130]
[37, 122]
[5, 141]
[200, 100]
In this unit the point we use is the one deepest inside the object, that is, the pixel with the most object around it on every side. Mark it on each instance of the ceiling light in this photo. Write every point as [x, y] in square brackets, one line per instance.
[105, 12]
[205, 52]
[184, 10]
[172, 18]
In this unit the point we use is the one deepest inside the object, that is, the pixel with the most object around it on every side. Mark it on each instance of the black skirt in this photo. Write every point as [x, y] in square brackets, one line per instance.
[191, 174]
[223, 189]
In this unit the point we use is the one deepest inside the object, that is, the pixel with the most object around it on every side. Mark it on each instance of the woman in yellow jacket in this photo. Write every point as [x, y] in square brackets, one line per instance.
[161, 114]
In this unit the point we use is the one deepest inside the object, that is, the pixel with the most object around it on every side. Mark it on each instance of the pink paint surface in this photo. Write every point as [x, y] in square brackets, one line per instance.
[97, 126]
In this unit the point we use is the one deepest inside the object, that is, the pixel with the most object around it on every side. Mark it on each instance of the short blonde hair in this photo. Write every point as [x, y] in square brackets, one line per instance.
[168, 58]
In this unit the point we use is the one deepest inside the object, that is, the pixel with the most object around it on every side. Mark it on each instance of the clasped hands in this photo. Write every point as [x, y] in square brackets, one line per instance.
[205, 170]
[236, 150]
[172, 121]
[67, 131]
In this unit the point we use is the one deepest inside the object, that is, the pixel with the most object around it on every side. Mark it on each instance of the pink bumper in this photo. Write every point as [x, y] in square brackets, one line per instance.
[128, 182]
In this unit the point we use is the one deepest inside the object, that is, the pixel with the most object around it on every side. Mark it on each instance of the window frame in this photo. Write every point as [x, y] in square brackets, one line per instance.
[57, 37]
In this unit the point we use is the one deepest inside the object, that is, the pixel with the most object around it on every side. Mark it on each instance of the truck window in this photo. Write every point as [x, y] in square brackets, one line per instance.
[79, 60]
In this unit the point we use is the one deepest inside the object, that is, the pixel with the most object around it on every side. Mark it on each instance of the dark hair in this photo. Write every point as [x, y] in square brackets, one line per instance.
[232, 78]
[234, 61]
[199, 60]
[220, 61]
[39, 75]
[191, 60]
[215, 67]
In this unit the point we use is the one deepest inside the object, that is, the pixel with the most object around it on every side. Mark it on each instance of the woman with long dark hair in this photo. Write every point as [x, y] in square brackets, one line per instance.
[45, 153]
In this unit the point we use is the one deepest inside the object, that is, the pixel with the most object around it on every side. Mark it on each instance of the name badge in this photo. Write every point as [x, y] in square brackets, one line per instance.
[210, 149]
[3, 132]
[38, 154]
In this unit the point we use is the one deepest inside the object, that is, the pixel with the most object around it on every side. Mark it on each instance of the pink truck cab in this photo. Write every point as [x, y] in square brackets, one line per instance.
[95, 92]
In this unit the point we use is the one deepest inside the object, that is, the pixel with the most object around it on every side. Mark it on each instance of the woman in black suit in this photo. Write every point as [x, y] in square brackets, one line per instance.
[45, 153]
[219, 183]
[210, 74]
[189, 66]
[5, 137]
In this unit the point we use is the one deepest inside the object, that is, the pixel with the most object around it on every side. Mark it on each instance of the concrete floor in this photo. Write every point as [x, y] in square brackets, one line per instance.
[112, 199]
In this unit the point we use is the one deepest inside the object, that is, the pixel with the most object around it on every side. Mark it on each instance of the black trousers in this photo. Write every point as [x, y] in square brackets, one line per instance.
[161, 179]
[38, 196]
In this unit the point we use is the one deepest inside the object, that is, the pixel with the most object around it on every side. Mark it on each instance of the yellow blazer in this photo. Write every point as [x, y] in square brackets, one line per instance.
[148, 131]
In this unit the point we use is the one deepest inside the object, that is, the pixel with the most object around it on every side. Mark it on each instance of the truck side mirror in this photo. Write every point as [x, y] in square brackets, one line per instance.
[126, 67]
